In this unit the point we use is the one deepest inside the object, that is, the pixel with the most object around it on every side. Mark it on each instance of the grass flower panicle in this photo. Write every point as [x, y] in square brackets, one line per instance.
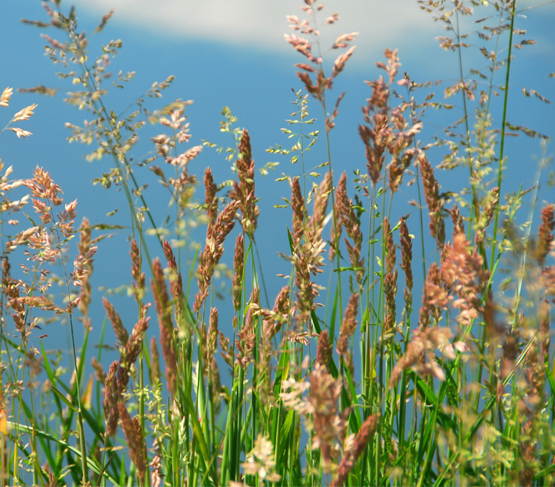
[545, 235]
[406, 261]
[243, 192]
[214, 250]
[433, 200]
[133, 435]
[167, 330]
[238, 267]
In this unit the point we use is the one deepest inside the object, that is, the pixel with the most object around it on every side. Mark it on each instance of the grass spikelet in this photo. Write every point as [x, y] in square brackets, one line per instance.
[42, 186]
[389, 247]
[321, 205]
[433, 200]
[155, 362]
[435, 297]
[212, 337]
[275, 319]
[213, 250]
[247, 335]
[135, 440]
[329, 424]
[111, 399]
[129, 355]
[243, 192]
[156, 473]
[324, 351]
[134, 344]
[406, 261]
[489, 204]
[11, 288]
[390, 291]
[337, 225]
[121, 333]
[163, 309]
[348, 328]
[176, 282]
[376, 133]
[548, 279]
[261, 461]
[545, 336]
[238, 266]
[138, 285]
[210, 201]
[545, 235]
[351, 223]
[462, 271]
[350, 457]
[457, 219]
[421, 347]
[86, 268]
[98, 370]
[298, 206]
[509, 355]
[224, 349]
[52, 480]
[307, 250]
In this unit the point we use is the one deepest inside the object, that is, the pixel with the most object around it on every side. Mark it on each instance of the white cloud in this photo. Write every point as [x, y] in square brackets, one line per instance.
[262, 23]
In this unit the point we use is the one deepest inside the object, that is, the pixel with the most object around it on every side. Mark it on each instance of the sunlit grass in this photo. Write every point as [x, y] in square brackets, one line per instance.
[343, 377]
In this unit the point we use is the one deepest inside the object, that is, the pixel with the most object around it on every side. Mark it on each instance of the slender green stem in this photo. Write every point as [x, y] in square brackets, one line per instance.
[503, 123]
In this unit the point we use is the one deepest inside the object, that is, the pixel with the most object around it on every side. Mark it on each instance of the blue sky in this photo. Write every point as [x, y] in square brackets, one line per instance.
[233, 53]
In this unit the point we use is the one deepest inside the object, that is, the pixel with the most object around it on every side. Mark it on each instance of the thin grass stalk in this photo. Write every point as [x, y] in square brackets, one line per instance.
[371, 341]
[211, 419]
[524, 258]
[322, 98]
[202, 411]
[241, 421]
[301, 140]
[503, 122]
[187, 385]
[14, 371]
[134, 218]
[225, 472]
[235, 424]
[261, 271]
[142, 416]
[257, 325]
[80, 427]
[381, 311]
[372, 338]
[474, 210]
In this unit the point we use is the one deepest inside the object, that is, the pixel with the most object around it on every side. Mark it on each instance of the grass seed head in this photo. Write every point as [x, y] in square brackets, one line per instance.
[545, 235]
[210, 200]
[433, 200]
[324, 351]
[111, 399]
[350, 456]
[135, 440]
[163, 310]
[238, 266]
[244, 190]
[121, 333]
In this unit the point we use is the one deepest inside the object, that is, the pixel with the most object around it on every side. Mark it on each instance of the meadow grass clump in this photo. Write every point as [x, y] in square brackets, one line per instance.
[450, 384]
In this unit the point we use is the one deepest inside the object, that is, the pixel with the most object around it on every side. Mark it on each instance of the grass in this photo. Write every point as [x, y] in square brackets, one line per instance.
[345, 379]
